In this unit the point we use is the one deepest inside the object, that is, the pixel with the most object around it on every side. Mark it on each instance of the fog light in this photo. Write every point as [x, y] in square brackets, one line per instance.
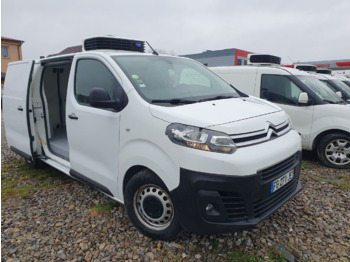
[209, 207]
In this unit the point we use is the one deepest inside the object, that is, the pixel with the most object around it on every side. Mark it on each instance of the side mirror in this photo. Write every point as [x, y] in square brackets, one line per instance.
[100, 98]
[303, 98]
[339, 94]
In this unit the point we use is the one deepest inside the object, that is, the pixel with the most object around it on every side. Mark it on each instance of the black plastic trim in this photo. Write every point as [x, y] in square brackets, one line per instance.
[238, 202]
[28, 111]
[109, 43]
[262, 58]
[90, 182]
[324, 71]
[21, 153]
[307, 68]
[57, 61]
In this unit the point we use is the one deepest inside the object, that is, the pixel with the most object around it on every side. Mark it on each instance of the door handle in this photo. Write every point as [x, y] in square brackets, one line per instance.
[20, 108]
[73, 116]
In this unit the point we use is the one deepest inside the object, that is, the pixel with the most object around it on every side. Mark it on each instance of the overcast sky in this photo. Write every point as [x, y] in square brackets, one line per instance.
[307, 30]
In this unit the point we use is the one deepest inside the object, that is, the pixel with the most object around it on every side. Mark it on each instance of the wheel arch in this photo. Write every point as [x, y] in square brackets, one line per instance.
[130, 172]
[325, 133]
[136, 169]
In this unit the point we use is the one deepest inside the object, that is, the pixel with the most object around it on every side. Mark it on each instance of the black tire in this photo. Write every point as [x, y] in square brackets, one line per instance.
[334, 150]
[150, 208]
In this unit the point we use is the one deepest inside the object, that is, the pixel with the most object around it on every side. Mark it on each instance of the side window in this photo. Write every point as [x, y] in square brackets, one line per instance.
[279, 89]
[93, 73]
[5, 52]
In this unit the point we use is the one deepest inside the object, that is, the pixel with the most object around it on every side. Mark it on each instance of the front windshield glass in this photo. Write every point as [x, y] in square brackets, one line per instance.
[320, 89]
[341, 86]
[172, 79]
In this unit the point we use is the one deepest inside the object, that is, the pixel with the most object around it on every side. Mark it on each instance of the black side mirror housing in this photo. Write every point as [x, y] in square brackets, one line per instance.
[100, 98]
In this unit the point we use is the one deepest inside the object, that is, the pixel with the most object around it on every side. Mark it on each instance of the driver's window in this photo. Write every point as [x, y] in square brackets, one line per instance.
[279, 89]
[192, 77]
[92, 73]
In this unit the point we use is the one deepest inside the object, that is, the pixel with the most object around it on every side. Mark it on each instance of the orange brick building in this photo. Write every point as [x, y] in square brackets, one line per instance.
[11, 50]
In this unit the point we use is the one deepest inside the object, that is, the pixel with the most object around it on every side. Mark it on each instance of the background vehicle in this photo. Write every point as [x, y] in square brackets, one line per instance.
[164, 135]
[325, 76]
[336, 85]
[344, 79]
[318, 114]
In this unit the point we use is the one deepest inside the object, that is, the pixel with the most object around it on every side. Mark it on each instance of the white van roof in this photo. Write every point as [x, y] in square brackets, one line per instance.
[249, 68]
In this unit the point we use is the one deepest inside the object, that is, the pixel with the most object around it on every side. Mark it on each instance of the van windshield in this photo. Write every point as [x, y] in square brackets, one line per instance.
[320, 89]
[339, 85]
[173, 80]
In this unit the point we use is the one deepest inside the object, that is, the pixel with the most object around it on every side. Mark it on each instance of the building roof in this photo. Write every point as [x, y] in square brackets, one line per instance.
[340, 64]
[69, 50]
[215, 53]
[3, 38]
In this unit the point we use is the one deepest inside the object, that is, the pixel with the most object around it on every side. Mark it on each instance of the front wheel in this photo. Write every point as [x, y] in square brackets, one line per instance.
[334, 150]
[150, 207]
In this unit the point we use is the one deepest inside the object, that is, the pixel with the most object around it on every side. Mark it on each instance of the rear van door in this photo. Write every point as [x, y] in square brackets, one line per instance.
[16, 109]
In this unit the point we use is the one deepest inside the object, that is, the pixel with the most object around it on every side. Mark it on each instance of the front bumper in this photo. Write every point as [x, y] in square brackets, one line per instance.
[238, 202]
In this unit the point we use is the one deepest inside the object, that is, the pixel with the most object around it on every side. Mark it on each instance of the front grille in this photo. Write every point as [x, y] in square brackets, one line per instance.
[110, 43]
[234, 205]
[263, 206]
[275, 171]
[270, 132]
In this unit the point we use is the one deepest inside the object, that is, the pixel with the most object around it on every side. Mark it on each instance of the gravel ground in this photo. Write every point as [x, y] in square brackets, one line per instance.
[57, 224]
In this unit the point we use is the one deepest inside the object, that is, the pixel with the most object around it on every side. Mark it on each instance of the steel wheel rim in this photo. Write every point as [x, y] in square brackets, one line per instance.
[160, 219]
[338, 152]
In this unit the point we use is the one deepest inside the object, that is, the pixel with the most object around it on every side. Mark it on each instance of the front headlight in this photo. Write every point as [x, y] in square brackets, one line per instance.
[202, 139]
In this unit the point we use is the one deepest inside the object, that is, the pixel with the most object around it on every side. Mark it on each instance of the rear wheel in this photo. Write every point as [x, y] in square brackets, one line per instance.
[150, 207]
[334, 150]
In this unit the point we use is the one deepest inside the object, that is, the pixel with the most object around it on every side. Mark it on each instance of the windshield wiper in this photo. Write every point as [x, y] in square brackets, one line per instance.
[178, 101]
[175, 101]
[216, 98]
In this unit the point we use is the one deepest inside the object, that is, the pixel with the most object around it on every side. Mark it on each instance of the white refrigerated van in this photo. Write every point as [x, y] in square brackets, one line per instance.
[336, 84]
[333, 83]
[164, 135]
[320, 116]
[343, 79]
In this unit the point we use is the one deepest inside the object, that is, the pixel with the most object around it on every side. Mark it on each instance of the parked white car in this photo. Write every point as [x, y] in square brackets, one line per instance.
[164, 135]
[318, 114]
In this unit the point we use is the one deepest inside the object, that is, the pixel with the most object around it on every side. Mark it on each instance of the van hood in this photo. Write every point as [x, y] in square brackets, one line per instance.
[217, 112]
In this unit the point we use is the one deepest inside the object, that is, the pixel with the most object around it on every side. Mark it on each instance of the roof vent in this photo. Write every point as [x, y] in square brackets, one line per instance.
[254, 59]
[307, 68]
[324, 71]
[111, 43]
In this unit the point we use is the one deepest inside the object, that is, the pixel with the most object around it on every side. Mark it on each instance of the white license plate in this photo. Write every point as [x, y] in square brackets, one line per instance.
[283, 180]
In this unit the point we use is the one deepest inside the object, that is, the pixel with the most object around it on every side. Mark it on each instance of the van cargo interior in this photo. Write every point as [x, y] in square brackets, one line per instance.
[54, 91]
